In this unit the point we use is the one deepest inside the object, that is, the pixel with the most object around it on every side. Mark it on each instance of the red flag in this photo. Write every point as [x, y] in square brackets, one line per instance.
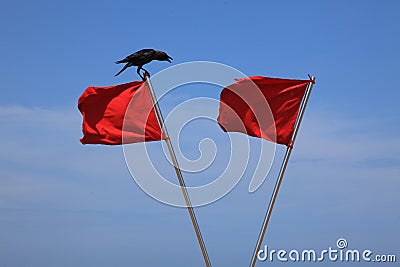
[119, 114]
[262, 107]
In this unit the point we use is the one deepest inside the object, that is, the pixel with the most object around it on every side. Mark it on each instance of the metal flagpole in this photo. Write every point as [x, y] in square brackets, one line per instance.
[282, 171]
[178, 172]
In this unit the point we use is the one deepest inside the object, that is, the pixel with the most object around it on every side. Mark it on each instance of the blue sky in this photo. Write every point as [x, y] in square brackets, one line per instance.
[64, 204]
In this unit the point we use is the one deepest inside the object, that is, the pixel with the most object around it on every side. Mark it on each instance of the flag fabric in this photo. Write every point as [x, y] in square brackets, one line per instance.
[119, 114]
[262, 107]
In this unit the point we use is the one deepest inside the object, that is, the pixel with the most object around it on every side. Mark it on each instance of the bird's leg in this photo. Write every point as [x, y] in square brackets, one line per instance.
[138, 72]
[146, 73]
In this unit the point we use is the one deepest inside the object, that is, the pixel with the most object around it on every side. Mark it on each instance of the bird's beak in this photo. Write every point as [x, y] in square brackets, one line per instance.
[169, 59]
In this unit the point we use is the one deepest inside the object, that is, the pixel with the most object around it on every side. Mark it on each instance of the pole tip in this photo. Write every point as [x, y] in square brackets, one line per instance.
[312, 78]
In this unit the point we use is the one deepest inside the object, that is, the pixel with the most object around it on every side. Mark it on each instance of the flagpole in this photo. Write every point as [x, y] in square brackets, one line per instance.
[282, 170]
[178, 172]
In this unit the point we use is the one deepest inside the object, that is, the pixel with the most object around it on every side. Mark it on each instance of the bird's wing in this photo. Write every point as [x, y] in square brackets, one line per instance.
[141, 55]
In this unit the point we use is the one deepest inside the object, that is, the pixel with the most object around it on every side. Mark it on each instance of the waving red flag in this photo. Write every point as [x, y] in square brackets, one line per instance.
[262, 107]
[119, 114]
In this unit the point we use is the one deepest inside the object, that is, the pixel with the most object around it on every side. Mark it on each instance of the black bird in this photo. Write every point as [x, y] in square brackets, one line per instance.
[141, 58]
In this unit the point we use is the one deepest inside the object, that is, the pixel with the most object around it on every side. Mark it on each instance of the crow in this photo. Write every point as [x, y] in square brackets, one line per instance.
[141, 58]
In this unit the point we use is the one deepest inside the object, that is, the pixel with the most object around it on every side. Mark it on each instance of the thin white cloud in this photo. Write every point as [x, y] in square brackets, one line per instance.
[332, 175]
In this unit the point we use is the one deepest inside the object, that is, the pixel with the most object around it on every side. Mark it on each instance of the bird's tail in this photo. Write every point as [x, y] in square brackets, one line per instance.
[120, 61]
[124, 68]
